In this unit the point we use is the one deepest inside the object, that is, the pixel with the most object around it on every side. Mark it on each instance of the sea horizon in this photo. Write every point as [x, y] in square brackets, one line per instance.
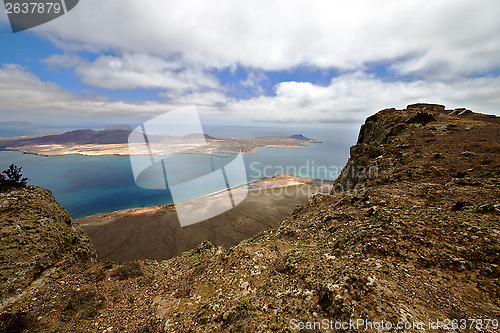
[91, 185]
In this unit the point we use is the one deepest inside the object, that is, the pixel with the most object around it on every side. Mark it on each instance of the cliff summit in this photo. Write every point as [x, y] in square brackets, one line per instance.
[410, 236]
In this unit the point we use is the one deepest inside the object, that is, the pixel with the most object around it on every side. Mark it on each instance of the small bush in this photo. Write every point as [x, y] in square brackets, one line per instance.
[12, 177]
[15, 322]
[421, 118]
[127, 271]
[82, 304]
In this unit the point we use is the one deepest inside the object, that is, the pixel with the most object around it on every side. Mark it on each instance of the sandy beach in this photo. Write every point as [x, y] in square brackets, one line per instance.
[155, 232]
[213, 146]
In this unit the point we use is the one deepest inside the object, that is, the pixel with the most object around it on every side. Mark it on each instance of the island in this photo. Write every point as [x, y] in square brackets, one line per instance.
[115, 141]
[154, 233]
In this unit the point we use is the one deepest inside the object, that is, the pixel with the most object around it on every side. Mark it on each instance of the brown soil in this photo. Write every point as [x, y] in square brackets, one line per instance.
[416, 242]
[155, 233]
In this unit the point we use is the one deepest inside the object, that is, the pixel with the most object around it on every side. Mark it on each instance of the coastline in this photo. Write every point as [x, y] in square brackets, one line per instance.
[105, 153]
[212, 147]
[115, 176]
[265, 184]
[155, 233]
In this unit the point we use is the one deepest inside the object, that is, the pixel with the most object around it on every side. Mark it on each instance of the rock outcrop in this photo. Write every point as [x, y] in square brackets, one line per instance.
[39, 239]
[392, 144]
[417, 242]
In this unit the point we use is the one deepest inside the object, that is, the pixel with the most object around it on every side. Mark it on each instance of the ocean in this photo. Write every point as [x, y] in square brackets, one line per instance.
[88, 185]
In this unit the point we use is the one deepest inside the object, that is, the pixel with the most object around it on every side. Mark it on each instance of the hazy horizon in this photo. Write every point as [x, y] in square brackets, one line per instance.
[254, 63]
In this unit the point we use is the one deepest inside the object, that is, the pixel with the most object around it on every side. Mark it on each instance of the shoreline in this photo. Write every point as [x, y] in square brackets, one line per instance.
[155, 232]
[98, 153]
[274, 182]
[60, 145]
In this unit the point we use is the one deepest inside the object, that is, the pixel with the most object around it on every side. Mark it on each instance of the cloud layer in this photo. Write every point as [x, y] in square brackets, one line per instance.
[348, 98]
[439, 51]
[456, 37]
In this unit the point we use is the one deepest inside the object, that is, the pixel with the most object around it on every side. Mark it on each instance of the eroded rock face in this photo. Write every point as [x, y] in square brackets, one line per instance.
[421, 243]
[386, 137]
[37, 235]
[374, 135]
[426, 107]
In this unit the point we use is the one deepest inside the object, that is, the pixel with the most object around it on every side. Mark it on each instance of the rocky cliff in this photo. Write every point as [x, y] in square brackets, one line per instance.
[414, 241]
[422, 141]
[39, 239]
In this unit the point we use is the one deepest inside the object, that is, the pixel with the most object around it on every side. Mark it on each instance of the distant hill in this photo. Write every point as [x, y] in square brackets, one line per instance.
[15, 123]
[300, 137]
[87, 136]
[198, 135]
[76, 137]
[118, 127]
[410, 237]
[115, 142]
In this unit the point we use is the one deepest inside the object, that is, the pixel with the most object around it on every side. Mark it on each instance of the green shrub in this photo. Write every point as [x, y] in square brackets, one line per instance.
[127, 271]
[12, 177]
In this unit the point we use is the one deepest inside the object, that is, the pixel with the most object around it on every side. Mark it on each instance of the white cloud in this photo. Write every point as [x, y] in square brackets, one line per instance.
[348, 98]
[64, 61]
[254, 80]
[21, 90]
[131, 71]
[211, 99]
[457, 37]
[353, 97]
[177, 45]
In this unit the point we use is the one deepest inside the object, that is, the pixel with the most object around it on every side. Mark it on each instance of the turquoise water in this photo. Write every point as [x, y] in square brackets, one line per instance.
[87, 185]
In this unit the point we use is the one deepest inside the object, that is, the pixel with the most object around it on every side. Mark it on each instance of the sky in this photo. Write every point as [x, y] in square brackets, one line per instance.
[250, 62]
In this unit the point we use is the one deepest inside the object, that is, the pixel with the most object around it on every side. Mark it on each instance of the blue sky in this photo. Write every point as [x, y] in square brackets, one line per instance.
[123, 61]
[29, 50]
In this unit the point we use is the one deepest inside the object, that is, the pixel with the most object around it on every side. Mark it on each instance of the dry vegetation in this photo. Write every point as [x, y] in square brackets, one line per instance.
[419, 242]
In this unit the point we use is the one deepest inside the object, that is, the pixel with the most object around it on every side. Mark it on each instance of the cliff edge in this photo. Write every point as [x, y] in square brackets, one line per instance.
[409, 237]
[39, 240]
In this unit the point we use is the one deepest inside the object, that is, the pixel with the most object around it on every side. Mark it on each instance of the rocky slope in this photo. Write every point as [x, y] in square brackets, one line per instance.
[155, 233]
[38, 239]
[415, 240]
[116, 142]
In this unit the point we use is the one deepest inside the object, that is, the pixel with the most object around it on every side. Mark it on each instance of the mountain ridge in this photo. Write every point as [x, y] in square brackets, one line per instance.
[116, 142]
[413, 241]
